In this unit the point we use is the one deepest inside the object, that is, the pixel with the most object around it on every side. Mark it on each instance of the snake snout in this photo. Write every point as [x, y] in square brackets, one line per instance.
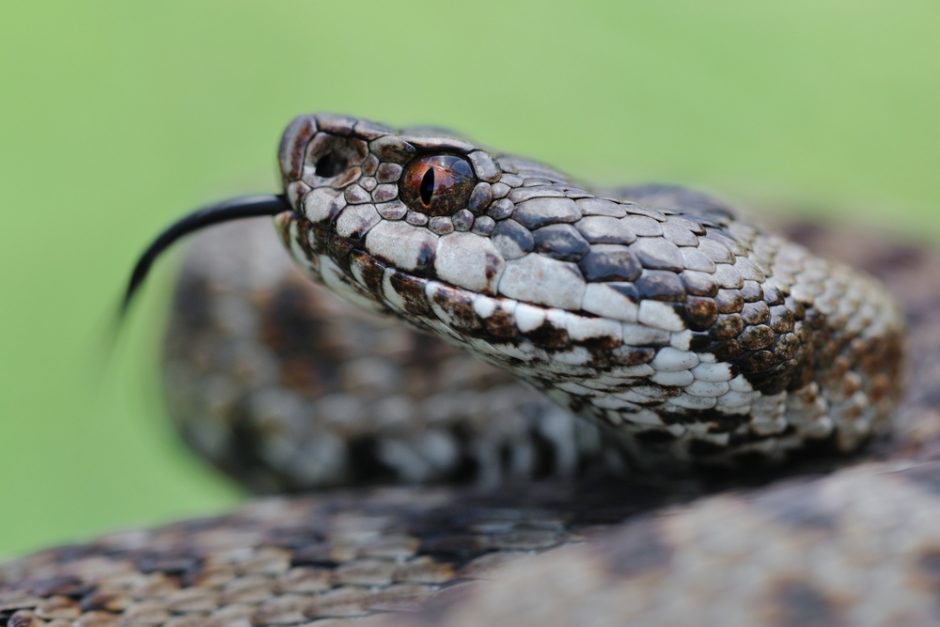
[325, 151]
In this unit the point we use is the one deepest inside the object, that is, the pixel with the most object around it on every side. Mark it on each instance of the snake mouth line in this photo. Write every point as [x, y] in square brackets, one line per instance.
[437, 306]
[225, 211]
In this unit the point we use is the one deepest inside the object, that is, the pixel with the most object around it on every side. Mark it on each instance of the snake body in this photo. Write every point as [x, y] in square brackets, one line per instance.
[611, 304]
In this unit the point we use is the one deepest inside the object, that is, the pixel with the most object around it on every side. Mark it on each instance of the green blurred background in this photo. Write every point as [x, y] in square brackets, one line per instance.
[115, 117]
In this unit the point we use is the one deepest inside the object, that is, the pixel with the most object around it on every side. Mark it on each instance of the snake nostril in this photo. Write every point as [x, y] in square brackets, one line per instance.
[329, 165]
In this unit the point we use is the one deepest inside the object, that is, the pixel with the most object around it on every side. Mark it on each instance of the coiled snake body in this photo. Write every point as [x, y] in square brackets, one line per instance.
[686, 338]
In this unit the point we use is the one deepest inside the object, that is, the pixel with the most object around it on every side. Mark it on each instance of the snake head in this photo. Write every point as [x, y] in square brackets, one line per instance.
[375, 205]
[653, 311]
[430, 225]
[422, 202]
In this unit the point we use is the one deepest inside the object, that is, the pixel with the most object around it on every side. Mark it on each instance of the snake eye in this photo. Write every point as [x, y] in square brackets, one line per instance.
[438, 186]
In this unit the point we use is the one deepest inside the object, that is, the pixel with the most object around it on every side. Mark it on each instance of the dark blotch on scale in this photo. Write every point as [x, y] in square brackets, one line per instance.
[729, 301]
[549, 336]
[729, 326]
[700, 313]
[755, 312]
[782, 319]
[617, 265]
[411, 291]
[501, 324]
[561, 241]
[339, 249]
[480, 197]
[459, 306]
[757, 337]
[320, 235]
[520, 236]
[370, 269]
[627, 289]
[661, 285]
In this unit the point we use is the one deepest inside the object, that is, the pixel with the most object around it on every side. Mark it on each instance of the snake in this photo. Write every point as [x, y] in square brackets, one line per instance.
[510, 397]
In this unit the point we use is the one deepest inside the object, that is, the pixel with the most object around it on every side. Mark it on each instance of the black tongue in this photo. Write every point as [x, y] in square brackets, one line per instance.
[225, 211]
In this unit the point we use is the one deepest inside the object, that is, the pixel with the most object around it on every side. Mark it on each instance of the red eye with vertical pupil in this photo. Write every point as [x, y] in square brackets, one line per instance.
[438, 186]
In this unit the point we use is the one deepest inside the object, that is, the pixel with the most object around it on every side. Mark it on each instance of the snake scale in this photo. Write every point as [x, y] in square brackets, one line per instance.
[712, 427]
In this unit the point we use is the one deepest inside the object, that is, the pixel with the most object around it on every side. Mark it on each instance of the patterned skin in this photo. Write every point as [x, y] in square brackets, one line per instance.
[855, 546]
[685, 333]
[288, 388]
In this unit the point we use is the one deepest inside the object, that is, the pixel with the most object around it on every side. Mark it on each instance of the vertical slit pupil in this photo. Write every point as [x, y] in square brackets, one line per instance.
[427, 186]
